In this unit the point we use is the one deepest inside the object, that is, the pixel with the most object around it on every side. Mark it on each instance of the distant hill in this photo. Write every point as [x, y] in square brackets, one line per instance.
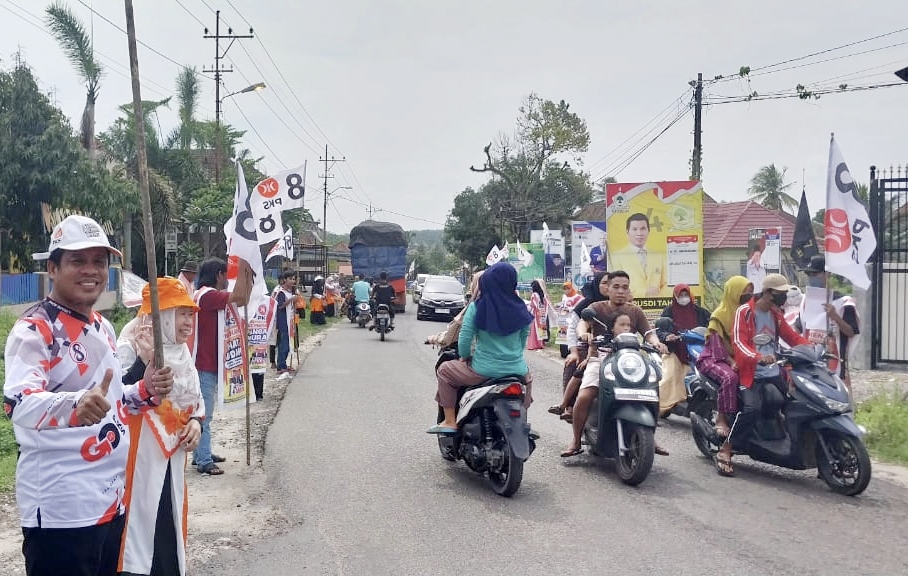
[427, 238]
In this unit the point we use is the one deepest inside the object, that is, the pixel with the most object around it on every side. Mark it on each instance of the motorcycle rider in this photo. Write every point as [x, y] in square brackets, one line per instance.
[360, 290]
[755, 338]
[618, 293]
[685, 315]
[383, 293]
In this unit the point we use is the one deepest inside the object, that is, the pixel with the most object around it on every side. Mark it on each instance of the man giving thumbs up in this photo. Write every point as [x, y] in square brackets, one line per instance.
[64, 394]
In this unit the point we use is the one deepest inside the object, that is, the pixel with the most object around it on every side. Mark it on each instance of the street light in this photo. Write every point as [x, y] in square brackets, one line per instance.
[258, 86]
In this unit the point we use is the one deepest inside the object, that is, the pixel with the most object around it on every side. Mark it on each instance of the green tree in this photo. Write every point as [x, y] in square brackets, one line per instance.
[42, 163]
[188, 91]
[76, 44]
[863, 194]
[532, 177]
[469, 229]
[768, 187]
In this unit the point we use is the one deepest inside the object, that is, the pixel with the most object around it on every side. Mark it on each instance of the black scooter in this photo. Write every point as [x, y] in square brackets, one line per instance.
[622, 419]
[812, 428]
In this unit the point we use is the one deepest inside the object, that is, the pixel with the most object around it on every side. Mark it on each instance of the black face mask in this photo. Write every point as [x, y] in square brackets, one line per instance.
[779, 298]
[745, 298]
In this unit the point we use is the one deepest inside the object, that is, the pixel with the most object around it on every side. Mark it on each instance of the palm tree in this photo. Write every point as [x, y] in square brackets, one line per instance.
[74, 40]
[188, 90]
[768, 188]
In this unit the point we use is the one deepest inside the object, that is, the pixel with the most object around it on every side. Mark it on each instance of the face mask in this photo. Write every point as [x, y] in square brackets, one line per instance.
[684, 300]
[744, 299]
[779, 298]
[816, 281]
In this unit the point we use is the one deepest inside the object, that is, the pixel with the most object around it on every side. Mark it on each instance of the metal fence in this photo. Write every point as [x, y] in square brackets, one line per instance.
[19, 288]
[889, 293]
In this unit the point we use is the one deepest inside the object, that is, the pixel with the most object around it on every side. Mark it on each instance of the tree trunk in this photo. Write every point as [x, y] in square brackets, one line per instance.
[88, 128]
[127, 241]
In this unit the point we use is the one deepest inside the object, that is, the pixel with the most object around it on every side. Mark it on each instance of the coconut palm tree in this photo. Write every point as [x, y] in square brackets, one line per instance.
[768, 187]
[76, 44]
[188, 90]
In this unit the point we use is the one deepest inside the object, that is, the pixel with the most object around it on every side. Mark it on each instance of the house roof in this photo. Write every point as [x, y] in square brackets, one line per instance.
[727, 224]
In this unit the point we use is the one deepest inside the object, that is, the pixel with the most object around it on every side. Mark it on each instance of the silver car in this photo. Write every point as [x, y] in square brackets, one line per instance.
[441, 297]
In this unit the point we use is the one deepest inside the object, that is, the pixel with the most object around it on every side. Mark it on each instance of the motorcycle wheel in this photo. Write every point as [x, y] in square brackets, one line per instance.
[507, 481]
[703, 444]
[381, 332]
[634, 465]
[445, 443]
[849, 471]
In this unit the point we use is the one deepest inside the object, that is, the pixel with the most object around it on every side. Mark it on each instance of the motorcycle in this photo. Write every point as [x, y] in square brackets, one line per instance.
[811, 428]
[383, 321]
[363, 314]
[622, 419]
[493, 436]
[693, 340]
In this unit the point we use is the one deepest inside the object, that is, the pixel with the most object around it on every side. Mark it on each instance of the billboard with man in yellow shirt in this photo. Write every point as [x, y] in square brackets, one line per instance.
[655, 234]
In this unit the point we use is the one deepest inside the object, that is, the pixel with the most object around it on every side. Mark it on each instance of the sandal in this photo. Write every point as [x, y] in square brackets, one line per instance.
[557, 410]
[572, 452]
[660, 450]
[568, 417]
[724, 466]
[722, 430]
[211, 469]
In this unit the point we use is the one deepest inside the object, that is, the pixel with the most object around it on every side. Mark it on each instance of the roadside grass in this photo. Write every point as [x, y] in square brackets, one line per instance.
[885, 416]
[8, 448]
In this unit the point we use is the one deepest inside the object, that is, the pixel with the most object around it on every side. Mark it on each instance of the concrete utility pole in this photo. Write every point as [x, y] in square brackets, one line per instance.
[217, 70]
[695, 165]
[332, 160]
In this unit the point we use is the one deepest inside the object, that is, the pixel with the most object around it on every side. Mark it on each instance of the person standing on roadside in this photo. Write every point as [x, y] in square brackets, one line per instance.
[187, 276]
[65, 396]
[213, 299]
[285, 297]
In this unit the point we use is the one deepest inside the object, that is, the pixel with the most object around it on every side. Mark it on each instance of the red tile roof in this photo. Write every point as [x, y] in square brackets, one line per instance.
[726, 224]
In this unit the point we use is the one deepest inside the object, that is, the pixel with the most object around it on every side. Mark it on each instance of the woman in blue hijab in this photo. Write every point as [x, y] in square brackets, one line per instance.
[491, 342]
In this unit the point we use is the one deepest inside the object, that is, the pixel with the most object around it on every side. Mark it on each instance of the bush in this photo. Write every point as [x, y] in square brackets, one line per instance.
[885, 416]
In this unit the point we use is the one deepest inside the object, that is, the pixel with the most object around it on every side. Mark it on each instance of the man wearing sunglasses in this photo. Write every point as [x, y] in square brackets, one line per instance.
[758, 326]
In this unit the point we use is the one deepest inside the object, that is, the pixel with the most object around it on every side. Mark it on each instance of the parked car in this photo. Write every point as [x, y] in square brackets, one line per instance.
[440, 297]
[420, 280]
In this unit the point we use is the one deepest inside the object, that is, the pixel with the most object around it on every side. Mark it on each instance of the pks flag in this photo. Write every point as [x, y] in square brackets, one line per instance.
[283, 191]
[545, 231]
[803, 243]
[850, 240]
[412, 269]
[585, 261]
[242, 240]
[526, 259]
[493, 256]
[283, 247]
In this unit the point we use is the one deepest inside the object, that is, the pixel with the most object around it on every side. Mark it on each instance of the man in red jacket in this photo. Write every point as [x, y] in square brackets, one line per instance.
[758, 326]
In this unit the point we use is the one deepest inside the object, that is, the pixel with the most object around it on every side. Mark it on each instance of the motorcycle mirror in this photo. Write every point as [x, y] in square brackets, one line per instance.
[587, 314]
[665, 324]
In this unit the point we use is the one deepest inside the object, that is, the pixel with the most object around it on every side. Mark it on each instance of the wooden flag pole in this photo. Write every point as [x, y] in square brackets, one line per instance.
[139, 120]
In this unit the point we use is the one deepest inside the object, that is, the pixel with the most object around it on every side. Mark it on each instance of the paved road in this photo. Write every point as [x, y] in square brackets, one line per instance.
[368, 493]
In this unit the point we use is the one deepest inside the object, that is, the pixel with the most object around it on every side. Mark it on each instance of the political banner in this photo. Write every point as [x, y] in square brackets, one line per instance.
[655, 234]
[261, 323]
[232, 392]
[131, 289]
[593, 236]
[552, 243]
[283, 191]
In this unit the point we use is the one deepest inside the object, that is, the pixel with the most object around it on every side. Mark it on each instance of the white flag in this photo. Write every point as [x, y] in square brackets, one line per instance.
[242, 240]
[585, 262]
[545, 231]
[504, 253]
[412, 268]
[283, 247]
[526, 259]
[284, 191]
[850, 240]
[131, 289]
[493, 256]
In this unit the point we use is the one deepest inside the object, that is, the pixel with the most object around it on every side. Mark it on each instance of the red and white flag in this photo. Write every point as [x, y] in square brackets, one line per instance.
[283, 247]
[849, 237]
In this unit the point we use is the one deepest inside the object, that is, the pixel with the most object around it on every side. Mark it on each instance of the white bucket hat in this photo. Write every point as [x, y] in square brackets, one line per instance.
[77, 233]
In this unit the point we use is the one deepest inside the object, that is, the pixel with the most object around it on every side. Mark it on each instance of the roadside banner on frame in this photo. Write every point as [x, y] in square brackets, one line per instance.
[764, 254]
[593, 235]
[553, 247]
[655, 234]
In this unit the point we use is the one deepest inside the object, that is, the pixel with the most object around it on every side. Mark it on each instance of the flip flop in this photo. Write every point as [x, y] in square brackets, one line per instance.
[567, 417]
[556, 410]
[439, 429]
[660, 450]
[572, 452]
[724, 466]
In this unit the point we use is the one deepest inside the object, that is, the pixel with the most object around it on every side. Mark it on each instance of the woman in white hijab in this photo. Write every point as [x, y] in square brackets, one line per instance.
[161, 435]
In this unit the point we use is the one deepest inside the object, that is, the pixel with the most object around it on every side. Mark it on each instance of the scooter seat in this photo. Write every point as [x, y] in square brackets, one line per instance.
[498, 380]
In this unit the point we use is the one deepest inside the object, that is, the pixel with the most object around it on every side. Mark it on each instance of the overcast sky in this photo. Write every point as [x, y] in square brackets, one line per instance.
[410, 91]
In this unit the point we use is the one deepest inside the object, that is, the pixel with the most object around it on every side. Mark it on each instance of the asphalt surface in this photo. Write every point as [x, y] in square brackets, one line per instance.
[367, 492]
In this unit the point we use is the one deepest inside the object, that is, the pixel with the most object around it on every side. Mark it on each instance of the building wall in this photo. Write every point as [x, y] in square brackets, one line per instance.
[720, 264]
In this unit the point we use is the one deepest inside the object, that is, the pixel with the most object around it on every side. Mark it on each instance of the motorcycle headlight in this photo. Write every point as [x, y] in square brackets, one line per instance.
[833, 405]
[631, 367]
[608, 372]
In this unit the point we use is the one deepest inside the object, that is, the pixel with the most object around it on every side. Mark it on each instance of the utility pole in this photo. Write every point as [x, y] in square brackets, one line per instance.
[696, 169]
[325, 176]
[217, 70]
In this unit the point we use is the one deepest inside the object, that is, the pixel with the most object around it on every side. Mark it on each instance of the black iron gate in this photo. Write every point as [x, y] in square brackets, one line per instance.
[889, 293]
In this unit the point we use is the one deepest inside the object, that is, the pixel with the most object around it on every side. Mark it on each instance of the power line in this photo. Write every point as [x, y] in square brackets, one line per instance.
[188, 11]
[620, 167]
[264, 142]
[804, 95]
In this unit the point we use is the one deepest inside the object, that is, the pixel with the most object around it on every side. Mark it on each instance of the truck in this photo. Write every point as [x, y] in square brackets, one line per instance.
[377, 247]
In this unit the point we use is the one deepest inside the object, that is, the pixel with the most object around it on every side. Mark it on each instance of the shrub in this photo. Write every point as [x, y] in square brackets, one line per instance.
[885, 416]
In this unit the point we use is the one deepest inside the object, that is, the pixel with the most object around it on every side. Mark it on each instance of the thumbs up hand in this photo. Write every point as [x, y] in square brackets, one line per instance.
[93, 405]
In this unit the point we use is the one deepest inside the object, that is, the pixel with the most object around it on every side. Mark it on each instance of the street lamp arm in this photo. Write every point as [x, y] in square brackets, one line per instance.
[258, 86]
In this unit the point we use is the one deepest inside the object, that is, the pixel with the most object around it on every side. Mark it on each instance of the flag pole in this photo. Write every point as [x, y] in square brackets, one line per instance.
[141, 153]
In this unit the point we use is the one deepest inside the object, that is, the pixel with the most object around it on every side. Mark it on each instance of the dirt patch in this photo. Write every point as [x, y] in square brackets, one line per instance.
[230, 511]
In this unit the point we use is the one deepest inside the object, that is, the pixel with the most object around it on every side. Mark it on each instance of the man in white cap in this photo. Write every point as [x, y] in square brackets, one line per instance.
[64, 394]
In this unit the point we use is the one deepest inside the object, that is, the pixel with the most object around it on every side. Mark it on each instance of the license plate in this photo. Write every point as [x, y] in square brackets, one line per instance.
[636, 394]
[442, 311]
[384, 315]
